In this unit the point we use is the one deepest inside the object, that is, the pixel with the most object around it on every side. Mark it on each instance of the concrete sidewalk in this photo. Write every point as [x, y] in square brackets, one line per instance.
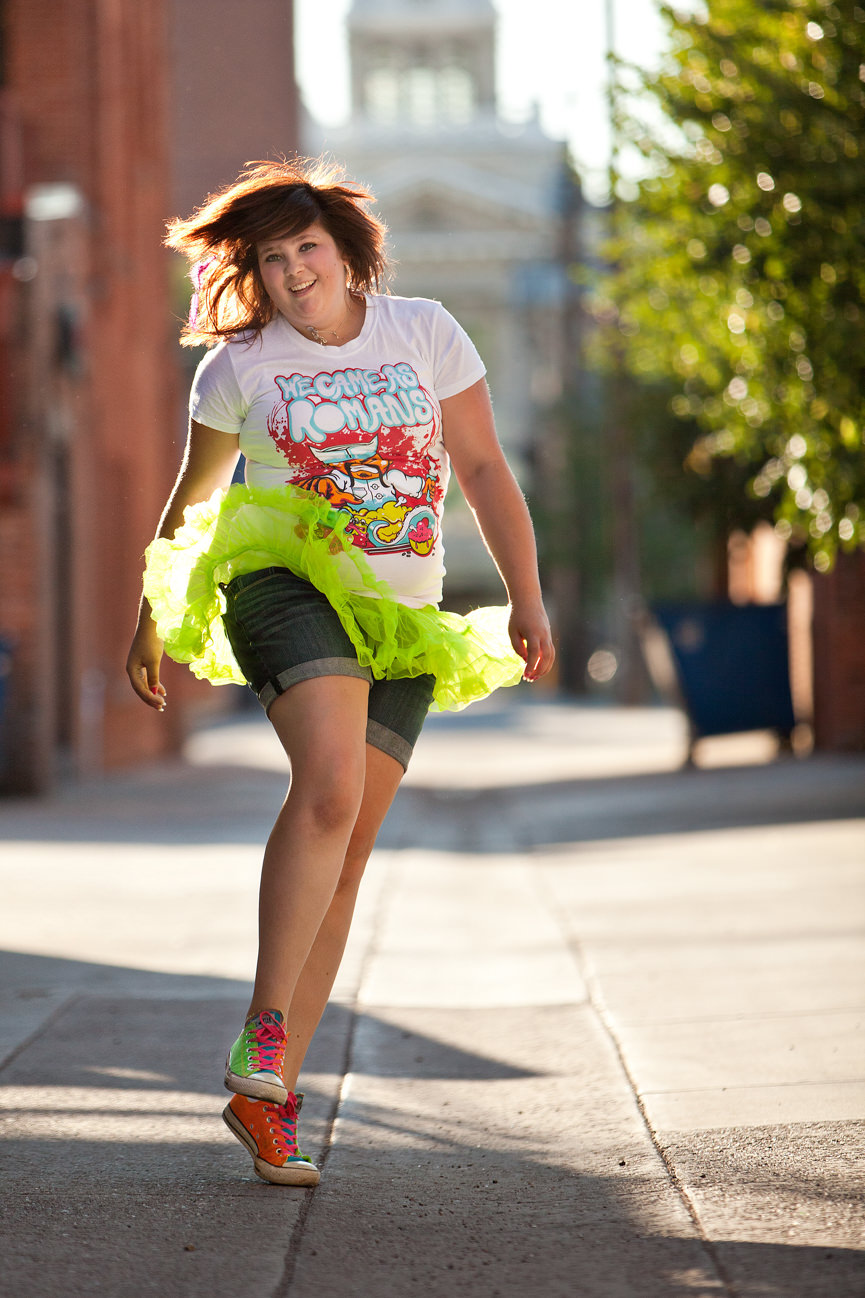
[598, 1033]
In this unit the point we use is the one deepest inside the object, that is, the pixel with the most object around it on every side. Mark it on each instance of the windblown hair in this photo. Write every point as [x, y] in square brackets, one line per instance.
[270, 200]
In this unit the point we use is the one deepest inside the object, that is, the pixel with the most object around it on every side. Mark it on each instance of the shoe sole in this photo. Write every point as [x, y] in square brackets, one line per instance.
[254, 1088]
[290, 1174]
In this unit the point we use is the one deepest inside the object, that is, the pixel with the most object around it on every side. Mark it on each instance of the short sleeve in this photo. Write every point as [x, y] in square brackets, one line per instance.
[215, 399]
[456, 362]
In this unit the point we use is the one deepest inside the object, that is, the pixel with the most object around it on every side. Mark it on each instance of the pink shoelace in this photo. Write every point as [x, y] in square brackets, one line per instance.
[282, 1122]
[266, 1042]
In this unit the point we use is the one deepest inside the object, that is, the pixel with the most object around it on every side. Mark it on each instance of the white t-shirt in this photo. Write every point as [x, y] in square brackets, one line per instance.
[360, 424]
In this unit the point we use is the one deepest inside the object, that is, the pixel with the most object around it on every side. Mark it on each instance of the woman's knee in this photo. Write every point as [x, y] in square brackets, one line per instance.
[328, 794]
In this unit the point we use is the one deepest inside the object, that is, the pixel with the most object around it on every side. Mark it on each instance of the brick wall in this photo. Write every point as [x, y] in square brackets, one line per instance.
[89, 452]
[224, 114]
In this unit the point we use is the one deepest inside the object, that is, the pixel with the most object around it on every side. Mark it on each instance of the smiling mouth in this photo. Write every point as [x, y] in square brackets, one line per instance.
[299, 288]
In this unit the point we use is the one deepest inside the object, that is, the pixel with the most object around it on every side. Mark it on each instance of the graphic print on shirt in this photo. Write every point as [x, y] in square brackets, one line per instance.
[367, 441]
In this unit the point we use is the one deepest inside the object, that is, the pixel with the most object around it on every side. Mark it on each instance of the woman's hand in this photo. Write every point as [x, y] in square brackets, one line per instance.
[142, 665]
[529, 629]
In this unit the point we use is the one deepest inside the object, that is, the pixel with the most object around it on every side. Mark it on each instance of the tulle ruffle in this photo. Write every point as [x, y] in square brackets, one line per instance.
[246, 528]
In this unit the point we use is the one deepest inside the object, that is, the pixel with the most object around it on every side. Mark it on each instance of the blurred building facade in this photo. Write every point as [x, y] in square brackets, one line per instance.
[476, 209]
[221, 116]
[102, 128]
[89, 391]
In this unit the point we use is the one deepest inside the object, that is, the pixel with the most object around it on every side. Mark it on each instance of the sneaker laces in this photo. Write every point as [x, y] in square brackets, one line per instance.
[265, 1043]
[282, 1123]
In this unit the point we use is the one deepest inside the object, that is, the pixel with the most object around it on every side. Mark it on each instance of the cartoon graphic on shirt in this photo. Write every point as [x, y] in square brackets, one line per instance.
[365, 440]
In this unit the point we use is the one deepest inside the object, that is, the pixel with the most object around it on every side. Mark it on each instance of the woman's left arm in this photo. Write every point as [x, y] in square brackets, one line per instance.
[502, 516]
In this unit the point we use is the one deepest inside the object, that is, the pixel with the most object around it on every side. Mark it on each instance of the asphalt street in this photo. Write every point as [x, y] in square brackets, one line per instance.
[598, 1033]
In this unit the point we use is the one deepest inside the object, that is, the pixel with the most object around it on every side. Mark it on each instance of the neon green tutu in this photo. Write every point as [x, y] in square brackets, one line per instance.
[246, 528]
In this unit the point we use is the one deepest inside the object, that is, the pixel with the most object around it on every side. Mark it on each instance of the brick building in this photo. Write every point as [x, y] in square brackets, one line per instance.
[234, 96]
[89, 397]
[92, 161]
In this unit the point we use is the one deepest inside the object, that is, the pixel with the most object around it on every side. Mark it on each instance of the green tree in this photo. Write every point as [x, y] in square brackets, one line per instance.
[738, 272]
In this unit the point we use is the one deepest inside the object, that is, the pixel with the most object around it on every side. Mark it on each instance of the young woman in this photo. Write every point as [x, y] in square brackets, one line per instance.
[317, 580]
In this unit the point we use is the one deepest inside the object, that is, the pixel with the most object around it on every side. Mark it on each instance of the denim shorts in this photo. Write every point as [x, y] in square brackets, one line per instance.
[283, 630]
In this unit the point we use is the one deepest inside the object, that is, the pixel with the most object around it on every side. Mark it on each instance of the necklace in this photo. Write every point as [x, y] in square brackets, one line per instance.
[318, 336]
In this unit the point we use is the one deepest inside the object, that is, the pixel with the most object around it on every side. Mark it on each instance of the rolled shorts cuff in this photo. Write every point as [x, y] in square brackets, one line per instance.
[271, 690]
[388, 741]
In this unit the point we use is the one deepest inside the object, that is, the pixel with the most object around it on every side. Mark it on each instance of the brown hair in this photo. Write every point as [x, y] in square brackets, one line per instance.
[270, 200]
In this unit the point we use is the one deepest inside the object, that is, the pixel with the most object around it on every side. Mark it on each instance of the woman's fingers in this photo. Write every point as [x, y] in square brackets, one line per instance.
[143, 673]
[533, 642]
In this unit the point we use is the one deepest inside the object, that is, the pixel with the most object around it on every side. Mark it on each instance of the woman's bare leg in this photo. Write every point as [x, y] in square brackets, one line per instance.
[383, 775]
[321, 724]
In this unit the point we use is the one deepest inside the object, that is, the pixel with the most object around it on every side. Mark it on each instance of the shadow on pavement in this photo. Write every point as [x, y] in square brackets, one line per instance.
[185, 804]
[131, 1029]
[167, 803]
[447, 1223]
[122, 1180]
[521, 817]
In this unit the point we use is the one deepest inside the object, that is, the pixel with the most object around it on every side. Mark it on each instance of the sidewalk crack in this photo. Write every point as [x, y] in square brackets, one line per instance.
[43, 1027]
[599, 1009]
[286, 1283]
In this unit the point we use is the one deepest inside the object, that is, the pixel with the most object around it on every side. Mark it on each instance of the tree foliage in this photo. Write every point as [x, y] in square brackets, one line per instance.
[737, 267]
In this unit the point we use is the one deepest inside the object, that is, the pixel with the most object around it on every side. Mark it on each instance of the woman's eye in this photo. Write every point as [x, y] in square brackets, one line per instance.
[305, 247]
[272, 256]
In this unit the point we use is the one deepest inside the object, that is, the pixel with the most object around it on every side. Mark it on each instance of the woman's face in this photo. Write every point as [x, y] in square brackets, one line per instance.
[305, 277]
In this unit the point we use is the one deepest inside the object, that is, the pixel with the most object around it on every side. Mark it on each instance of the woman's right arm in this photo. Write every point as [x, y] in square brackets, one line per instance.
[208, 463]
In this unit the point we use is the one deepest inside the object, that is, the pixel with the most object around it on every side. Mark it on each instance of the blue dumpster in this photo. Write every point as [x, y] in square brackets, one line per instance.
[732, 665]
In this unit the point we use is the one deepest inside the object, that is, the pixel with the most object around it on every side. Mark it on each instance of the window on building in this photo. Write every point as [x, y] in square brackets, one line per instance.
[422, 96]
[457, 95]
[382, 95]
